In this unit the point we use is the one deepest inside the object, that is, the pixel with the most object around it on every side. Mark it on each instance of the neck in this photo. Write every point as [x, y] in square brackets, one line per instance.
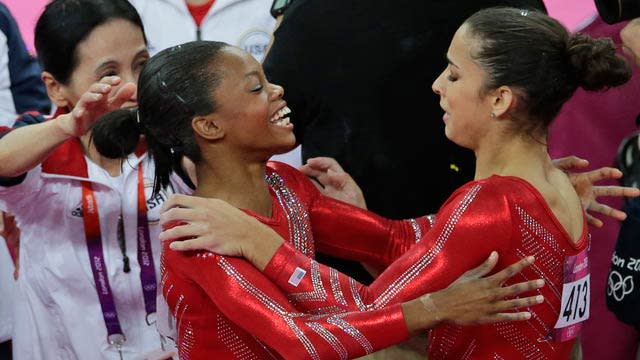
[112, 166]
[238, 183]
[197, 2]
[515, 155]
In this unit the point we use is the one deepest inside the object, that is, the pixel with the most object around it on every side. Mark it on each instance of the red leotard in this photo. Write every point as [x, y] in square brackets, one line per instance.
[224, 308]
[506, 214]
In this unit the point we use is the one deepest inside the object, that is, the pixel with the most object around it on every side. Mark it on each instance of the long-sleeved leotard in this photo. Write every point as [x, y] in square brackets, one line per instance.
[499, 213]
[224, 308]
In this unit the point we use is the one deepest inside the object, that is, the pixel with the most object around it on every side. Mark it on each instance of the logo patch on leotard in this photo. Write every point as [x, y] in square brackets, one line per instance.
[297, 276]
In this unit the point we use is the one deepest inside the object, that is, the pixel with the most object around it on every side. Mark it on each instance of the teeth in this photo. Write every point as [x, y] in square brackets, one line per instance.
[278, 117]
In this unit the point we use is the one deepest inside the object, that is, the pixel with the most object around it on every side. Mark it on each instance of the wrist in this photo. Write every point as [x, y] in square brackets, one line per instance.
[418, 316]
[64, 126]
[262, 247]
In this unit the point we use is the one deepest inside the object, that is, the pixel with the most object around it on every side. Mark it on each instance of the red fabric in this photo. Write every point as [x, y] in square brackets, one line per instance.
[592, 125]
[500, 213]
[225, 309]
[198, 12]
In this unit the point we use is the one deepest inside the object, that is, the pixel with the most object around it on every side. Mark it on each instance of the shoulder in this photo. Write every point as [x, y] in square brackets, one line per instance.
[490, 201]
[284, 175]
[493, 190]
[287, 172]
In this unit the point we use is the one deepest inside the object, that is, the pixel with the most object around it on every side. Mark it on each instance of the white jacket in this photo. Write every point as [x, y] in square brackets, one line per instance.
[243, 23]
[58, 314]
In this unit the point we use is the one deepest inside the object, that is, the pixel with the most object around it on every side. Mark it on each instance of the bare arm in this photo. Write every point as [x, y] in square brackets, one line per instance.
[24, 148]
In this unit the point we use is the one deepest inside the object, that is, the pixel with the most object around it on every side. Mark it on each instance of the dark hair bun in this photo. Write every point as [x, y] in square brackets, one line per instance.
[595, 62]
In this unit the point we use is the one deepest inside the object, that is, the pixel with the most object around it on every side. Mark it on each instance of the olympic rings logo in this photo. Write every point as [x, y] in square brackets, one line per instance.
[619, 287]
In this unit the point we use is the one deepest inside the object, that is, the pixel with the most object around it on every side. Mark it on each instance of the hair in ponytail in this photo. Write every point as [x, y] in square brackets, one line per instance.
[116, 134]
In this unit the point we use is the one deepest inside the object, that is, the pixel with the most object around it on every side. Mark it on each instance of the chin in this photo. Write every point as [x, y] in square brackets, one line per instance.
[285, 149]
[456, 140]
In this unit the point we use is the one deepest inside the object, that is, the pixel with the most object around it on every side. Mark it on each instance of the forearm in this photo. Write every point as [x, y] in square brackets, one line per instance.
[24, 148]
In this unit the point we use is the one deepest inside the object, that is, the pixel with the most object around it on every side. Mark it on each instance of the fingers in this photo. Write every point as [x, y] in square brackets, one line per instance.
[178, 214]
[616, 191]
[324, 163]
[87, 99]
[483, 269]
[511, 270]
[607, 210]
[185, 231]
[179, 200]
[594, 221]
[100, 88]
[124, 94]
[570, 163]
[187, 245]
[337, 180]
[311, 171]
[603, 173]
[512, 304]
[519, 288]
[506, 317]
[331, 177]
[111, 80]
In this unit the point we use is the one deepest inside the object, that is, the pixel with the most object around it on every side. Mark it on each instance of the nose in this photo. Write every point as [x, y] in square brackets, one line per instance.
[277, 91]
[437, 84]
[130, 78]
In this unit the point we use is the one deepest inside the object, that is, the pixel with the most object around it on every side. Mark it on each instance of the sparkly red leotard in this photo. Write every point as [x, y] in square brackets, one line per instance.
[499, 213]
[225, 309]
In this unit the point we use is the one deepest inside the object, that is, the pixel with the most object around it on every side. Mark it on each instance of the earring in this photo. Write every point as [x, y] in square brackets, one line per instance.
[493, 115]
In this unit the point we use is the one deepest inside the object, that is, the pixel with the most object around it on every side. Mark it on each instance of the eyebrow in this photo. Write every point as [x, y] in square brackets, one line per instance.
[252, 73]
[451, 62]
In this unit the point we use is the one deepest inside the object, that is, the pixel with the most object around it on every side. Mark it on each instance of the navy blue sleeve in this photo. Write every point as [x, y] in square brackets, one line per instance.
[28, 90]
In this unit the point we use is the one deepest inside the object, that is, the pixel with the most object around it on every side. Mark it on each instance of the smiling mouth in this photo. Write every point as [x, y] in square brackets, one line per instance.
[281, 118]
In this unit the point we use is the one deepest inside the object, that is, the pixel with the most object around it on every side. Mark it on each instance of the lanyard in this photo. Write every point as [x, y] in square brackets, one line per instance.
[93, 235]
[145, 257]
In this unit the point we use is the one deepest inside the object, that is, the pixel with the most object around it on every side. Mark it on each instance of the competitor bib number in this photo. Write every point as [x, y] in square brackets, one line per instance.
[576, 295]
[575, 302]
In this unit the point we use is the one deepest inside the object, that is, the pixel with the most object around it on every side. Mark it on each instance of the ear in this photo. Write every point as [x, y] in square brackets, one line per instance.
[56, 90]
[207, 127]
[502, 99]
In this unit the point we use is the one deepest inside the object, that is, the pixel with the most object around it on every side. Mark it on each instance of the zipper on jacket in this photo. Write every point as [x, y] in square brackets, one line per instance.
[123, 245]
[198, 34]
